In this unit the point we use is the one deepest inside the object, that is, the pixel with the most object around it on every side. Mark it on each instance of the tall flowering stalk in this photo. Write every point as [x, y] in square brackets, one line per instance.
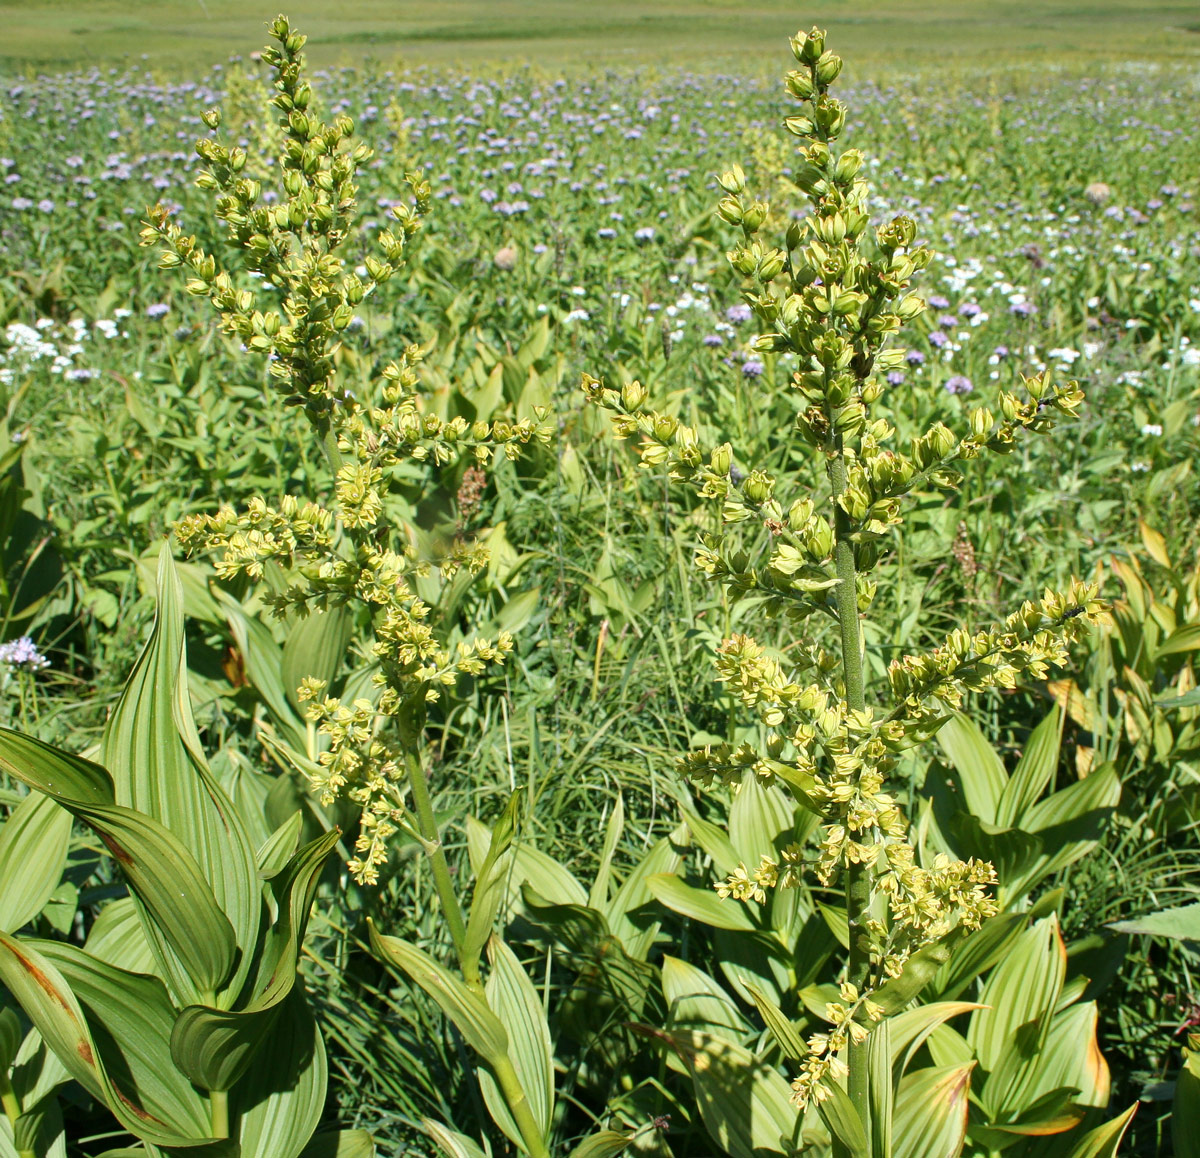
[353, 547]
[832, 294]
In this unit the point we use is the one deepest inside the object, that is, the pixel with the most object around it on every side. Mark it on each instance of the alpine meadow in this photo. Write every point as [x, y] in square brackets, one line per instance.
[641, 602]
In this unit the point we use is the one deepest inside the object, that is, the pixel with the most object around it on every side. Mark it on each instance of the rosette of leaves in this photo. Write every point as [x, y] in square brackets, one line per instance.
[183, 1011]
[828, 295]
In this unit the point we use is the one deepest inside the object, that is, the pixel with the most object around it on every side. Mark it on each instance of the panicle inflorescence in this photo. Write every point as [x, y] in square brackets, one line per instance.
[831, 295]
[353, 547]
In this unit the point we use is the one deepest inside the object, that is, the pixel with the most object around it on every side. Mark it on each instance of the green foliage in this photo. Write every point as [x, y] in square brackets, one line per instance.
[381, 418]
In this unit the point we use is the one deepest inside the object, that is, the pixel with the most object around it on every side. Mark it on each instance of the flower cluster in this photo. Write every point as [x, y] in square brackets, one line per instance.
[23, 653]
[355, 547]
[833, 298]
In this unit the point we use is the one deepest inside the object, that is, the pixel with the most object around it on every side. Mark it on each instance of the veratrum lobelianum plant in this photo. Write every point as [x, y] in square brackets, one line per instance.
[360, 550]
[831, 295]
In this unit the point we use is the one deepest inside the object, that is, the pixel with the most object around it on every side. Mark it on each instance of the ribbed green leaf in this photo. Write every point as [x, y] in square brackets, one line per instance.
[700, 904]
[279, 847]
[184, 916]
[712, 839]
[491, 880]
[151, 749]
[1034, 771]
[838, 1113]
[1021, 994]
[340, 1144]
[919, 970]
[603, 1144]
[279, 1101]
[638, 937]
[745, 1104]
[34, 842]
[316, 647]
[480, 1027]
[130, 1016]
[908, 1030]
[980, 772]
[880, 1093]
[758, 818]
[10, 1038]
[782, 1028]
[117, 937]
[214, 1047]
[697, 1002]
[931, 1112]
[453, 1144]
[50, 1004]
[513, 999]
[1105, 1141]
[976, 953]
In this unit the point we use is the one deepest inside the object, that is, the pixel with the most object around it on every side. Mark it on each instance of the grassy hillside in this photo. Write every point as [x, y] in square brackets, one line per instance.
[198, 32]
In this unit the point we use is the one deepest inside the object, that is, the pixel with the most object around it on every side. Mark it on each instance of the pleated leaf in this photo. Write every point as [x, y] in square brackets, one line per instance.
[151, 749]
[698, 1002]
[279, 1101]
[316, 647]
[214, 1047]
[1034, 771]
[48, 1000]
[513, 999]
[1105, 1141]
[930, 1117]
[838, 1113]
[980, 772]
[745, 1104]
[701, 905]
[481, 1028]
[452, 1143]
[34, 842]
[193, 936]
[602, 1144]
[340, 1144]
[130, 1016]
[117, 937]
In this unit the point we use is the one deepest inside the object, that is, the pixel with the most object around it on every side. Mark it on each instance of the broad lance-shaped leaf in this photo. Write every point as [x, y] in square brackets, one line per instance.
[278, 1103]
[214, 1047]
[34, 842]
[48, 1000]
[153, 753]
[340, 1144]
[481, 1028]
[512, 997]
[131, 1016]
[162, 874]
[931, 1112]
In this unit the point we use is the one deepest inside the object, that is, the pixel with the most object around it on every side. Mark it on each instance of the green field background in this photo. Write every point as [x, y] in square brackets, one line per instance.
[198, 33]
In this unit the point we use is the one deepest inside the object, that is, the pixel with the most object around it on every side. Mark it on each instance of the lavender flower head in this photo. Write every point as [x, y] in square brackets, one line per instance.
[738, 313]
[959, 384]
[752, 368]
[23, 653]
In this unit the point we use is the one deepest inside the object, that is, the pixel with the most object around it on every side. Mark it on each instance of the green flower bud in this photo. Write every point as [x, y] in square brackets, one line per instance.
[772, 265]
[734, 181]
[941, 440]
[981, 421]
[829, 66]
[799, 513]
[758, 486]
[909, 307]
[664, 426]
[799, 126]
[633, 395]
[730, 209]
[800, 85]
[755, 215]
[722, 459]
[211, 117]
[831, 229]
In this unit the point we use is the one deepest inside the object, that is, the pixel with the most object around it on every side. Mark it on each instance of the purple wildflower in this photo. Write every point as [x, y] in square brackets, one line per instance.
[959, 384]
[752, 368]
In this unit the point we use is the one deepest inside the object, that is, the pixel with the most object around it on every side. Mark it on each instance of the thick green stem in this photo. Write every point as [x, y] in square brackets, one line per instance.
[12, 1109]
[858, 880]
[518, 1104]
[427, 825]
[218, 1108]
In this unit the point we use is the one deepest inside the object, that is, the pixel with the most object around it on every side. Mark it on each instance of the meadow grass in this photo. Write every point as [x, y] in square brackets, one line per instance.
[558, 33]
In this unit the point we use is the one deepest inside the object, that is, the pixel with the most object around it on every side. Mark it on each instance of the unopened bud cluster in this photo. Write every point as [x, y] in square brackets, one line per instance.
[832, 292]
[353, 548]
